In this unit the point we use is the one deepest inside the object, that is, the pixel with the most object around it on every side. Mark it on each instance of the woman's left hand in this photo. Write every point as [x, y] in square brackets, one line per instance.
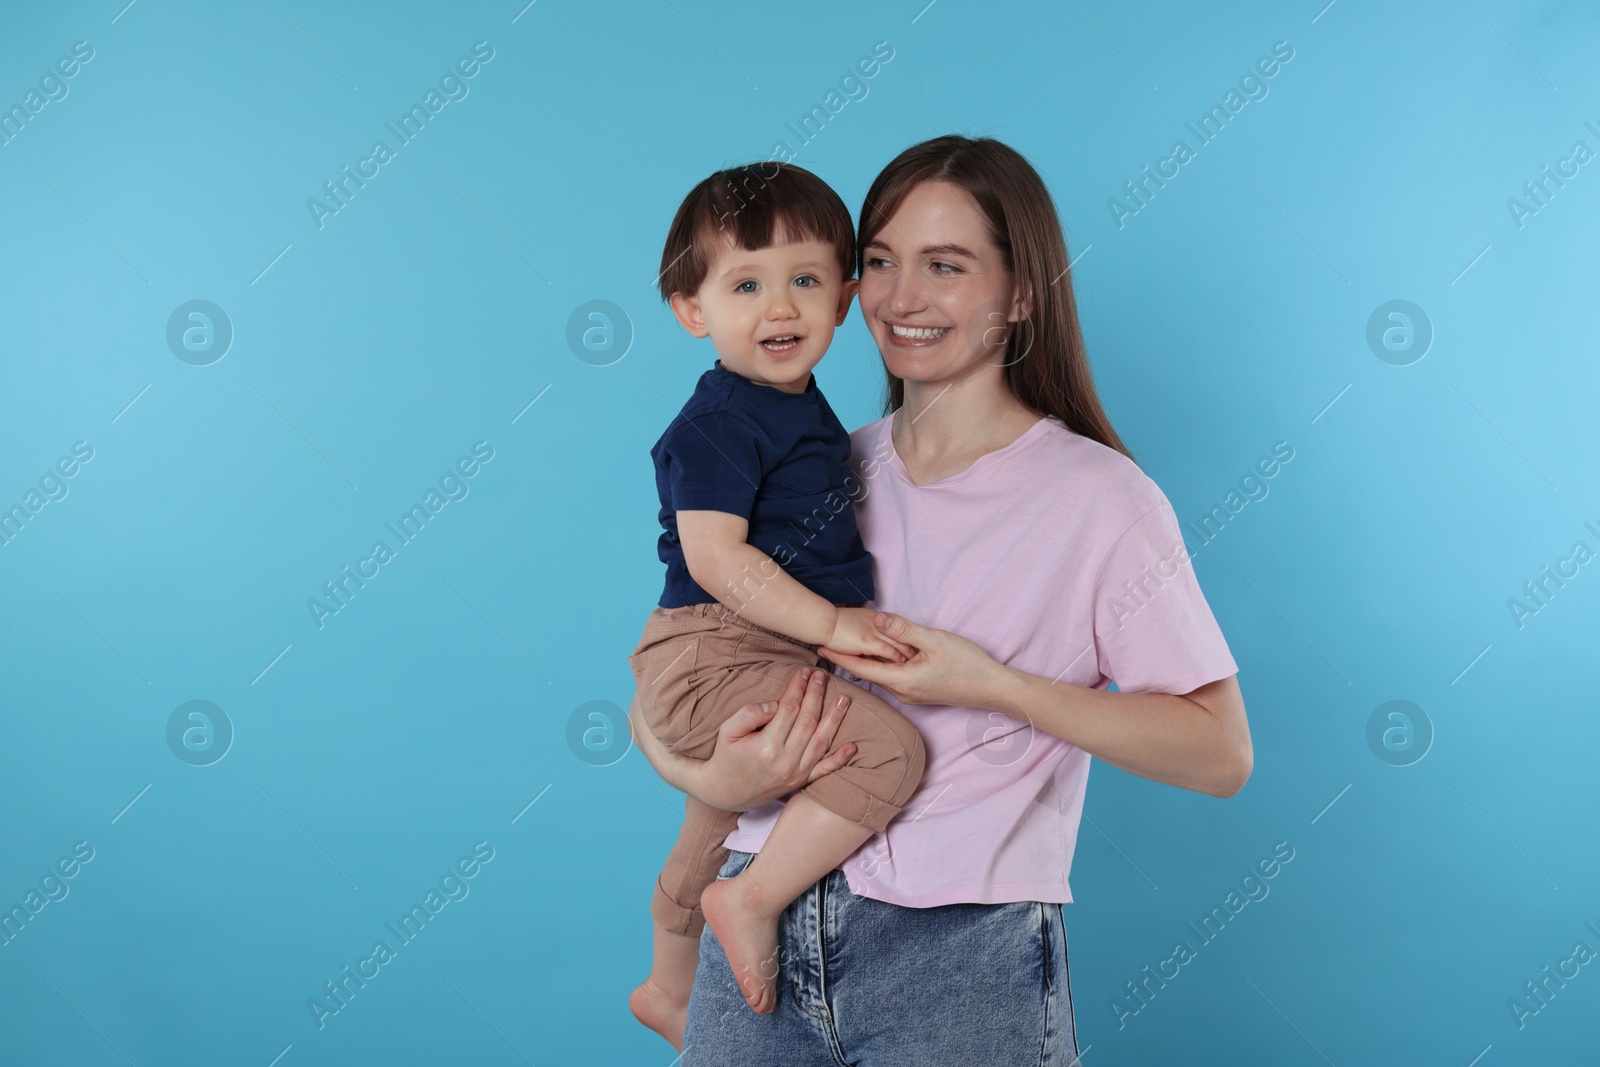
[947, 669]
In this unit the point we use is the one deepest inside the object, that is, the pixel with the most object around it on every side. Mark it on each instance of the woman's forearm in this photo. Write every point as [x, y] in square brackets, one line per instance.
[764, 751]
[1197, 741]
[680, 772]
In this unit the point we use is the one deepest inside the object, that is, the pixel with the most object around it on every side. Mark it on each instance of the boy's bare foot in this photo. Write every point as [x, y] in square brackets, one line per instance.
[749, 937]
[660, 1010]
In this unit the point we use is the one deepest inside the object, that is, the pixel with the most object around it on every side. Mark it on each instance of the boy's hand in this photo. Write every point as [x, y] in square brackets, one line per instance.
[854, 634]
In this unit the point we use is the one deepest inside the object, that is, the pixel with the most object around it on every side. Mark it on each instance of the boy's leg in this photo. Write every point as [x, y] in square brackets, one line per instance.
[665, 667]
[661, 1002]
[887, 768]
[695, 668]
[692, 865]
[818, 829]
[680, 657]
[807, 841]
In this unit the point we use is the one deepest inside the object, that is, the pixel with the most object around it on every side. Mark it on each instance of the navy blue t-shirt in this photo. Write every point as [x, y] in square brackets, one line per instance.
[776, 459]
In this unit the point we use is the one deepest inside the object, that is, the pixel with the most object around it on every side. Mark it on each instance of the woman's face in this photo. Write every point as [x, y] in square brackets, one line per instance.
[934, 291]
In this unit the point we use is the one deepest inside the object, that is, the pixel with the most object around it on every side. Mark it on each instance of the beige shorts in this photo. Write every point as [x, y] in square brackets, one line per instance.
[694, 667]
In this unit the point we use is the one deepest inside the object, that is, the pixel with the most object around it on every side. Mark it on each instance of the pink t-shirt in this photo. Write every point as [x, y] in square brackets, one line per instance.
[1057, 556]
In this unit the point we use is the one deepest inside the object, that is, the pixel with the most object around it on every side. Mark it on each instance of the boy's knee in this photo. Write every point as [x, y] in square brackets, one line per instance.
[916, 758]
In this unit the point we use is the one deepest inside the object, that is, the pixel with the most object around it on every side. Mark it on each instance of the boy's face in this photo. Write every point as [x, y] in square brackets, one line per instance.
[770, 313]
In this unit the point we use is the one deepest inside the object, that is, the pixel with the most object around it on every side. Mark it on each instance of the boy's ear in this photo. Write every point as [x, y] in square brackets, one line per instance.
[689, 314]
[847, 292]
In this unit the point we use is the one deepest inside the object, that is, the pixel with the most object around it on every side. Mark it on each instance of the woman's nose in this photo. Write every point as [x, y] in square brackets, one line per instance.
[904, 297]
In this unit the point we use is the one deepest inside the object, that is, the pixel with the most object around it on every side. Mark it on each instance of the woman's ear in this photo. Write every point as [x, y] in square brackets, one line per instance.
[689, 314]
[847, 292]
[1021, 305]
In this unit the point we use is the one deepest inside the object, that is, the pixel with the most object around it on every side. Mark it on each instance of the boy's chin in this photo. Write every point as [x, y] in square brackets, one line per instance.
[786, 372]
[791, 374]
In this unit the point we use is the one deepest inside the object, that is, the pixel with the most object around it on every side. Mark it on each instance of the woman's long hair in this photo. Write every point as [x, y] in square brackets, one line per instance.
[1046, 365]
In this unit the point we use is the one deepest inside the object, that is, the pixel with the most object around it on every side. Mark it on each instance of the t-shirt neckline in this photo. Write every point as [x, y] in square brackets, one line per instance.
[1022, 440]
[768, 391]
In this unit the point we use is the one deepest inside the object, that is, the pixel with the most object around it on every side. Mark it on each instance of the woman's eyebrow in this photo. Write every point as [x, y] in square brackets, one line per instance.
[932, 250]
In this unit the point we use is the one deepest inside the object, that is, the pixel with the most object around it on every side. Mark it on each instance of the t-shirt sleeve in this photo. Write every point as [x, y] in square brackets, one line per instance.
[1154, 631]
[713, 463]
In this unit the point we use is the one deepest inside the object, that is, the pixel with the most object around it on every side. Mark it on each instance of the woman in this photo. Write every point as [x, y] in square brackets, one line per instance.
[1004, 513]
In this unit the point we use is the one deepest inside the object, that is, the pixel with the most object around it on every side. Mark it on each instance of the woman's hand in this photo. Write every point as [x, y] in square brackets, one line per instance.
[764, 751]
[947, 669]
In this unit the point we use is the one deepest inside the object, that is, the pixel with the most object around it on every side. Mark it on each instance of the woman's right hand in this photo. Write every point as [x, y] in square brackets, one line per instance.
[764, 751]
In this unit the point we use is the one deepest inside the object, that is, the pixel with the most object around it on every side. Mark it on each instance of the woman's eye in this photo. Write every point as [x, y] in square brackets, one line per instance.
[945, 268]
[745, 287]
[877, 263]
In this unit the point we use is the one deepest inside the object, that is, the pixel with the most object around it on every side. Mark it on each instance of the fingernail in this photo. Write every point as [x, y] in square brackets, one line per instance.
[766, 707]
[843, 702]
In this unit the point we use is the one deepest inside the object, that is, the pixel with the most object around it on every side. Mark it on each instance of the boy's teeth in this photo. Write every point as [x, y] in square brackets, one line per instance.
[920, 333]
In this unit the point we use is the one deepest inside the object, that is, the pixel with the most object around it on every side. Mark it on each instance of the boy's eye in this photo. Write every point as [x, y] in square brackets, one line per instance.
[806, 281]
[745, 287]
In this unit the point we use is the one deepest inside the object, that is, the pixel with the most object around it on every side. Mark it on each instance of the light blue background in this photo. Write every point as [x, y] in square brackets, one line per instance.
[1225, 316]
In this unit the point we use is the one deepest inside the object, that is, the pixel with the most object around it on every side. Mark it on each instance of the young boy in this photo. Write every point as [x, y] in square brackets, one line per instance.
[761, 570]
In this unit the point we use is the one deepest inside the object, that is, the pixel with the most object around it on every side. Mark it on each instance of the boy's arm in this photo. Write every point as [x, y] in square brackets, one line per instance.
[749, 581]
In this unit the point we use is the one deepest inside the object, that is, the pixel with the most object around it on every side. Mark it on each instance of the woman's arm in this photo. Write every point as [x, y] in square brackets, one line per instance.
[764, 751]
[1198, 740]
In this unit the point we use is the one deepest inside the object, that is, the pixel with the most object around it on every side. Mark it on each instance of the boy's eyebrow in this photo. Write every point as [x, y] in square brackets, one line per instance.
[741, 268]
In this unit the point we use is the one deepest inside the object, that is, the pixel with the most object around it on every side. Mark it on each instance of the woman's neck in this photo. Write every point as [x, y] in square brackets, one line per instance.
[941, 428]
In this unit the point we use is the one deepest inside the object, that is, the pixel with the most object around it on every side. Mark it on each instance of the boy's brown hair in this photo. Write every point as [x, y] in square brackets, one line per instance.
[754, 205]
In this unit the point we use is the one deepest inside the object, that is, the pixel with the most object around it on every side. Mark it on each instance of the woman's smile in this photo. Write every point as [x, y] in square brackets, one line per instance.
[905, 335]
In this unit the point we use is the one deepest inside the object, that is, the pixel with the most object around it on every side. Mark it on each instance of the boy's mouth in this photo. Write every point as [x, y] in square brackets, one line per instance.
[782, 344]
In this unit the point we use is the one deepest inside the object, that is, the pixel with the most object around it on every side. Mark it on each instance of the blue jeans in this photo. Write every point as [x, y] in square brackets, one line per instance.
[870, 984]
